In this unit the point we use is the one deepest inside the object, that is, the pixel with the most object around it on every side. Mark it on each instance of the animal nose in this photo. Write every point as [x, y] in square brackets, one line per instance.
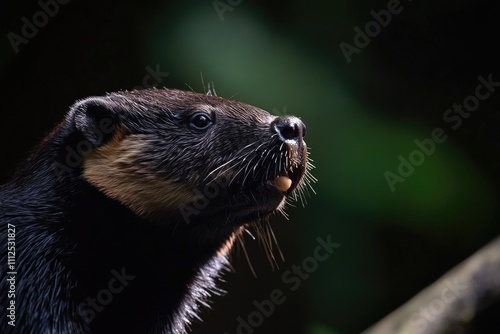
[289, 128]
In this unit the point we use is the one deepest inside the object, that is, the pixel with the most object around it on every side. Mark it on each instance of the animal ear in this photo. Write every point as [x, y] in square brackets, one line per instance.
[97, 119]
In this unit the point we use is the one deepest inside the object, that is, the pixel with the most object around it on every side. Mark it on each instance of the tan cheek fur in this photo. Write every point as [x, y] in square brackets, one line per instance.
[114, 171]
[228, 245]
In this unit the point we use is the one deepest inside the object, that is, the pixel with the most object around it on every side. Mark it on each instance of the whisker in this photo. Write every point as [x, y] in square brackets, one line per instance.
[276, 242]
[233, 159]
[249, 233]
[242, 244]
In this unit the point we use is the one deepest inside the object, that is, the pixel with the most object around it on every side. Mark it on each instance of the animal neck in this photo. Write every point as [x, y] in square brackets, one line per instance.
[112, 254]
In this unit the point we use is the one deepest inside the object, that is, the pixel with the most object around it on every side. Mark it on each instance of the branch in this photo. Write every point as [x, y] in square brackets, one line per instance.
[450, 303]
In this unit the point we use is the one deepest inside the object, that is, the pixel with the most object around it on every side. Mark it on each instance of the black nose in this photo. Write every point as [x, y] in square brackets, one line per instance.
[289, 128]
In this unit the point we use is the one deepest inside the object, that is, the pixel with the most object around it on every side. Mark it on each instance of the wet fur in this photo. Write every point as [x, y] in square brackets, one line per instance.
[119, 208]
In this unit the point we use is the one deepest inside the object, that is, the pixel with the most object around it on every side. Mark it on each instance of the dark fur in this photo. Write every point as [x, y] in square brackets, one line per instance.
[70, 235]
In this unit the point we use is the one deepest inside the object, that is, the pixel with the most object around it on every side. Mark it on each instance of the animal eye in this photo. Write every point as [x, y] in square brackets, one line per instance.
[200, 121]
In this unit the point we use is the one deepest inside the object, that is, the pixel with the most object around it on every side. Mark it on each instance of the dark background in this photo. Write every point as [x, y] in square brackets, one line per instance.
[284, 56]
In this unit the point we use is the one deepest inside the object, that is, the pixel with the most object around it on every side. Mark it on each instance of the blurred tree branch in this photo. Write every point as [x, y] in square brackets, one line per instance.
[449, 304]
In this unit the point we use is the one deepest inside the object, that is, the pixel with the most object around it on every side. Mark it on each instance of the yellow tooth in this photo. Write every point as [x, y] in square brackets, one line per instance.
[283, 183]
